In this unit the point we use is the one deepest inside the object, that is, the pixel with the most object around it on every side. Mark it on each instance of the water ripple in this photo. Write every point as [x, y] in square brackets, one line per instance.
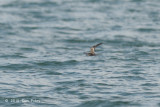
[42, 45]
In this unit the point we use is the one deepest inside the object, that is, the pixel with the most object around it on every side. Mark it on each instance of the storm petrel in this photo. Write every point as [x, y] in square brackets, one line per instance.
[92, 50]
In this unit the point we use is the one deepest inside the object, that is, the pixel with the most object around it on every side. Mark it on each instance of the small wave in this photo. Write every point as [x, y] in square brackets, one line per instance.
[16, 66]
[76, 82]
[67, 28]
[53, 73]
[56, 63]
[132, 77]
[130, 43]
[28, 49]
[105, 103]
[147, 30]
[150, 84]
[78, 40]
[18, 55]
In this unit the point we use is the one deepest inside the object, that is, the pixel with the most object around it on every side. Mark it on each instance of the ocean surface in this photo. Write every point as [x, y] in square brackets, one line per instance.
[42, 60]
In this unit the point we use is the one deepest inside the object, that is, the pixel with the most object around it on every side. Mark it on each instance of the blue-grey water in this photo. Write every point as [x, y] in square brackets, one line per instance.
[42, 60]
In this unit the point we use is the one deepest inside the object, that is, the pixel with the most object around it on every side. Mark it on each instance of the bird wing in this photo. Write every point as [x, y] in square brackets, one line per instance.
[96, 45]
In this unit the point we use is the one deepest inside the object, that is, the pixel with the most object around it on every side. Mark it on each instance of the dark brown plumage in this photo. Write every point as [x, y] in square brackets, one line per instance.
[92, 50]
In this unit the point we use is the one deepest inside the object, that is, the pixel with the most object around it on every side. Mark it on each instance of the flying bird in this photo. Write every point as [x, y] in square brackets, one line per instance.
[92, 50]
